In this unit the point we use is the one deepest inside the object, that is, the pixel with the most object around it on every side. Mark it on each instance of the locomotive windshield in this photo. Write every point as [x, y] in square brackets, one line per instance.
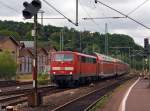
[63, 57]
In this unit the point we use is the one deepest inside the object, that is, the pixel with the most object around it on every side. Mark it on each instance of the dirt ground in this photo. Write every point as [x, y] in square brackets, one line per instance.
[115, 99]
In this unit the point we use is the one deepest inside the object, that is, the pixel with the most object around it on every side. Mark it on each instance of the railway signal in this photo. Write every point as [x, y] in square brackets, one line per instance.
[146, 46]
[31, 8]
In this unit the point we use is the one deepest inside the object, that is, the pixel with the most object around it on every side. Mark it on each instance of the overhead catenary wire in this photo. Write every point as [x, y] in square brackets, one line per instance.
[59, 12]
[139, 6]
[89, 16]
[97, 1]
[103, 18]
[7, 6]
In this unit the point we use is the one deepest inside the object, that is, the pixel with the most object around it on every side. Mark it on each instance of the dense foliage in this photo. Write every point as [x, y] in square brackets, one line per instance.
[8, 66]
[74, 40]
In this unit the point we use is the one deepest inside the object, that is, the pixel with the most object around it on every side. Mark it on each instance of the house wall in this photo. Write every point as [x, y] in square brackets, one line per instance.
[25, 65]
[42, 61]
[11, 47]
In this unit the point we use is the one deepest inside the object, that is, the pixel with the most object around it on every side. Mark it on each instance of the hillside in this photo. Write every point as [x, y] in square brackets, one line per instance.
[73, 39]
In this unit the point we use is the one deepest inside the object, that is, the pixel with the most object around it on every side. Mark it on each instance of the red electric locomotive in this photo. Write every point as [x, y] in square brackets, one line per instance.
[72, 68]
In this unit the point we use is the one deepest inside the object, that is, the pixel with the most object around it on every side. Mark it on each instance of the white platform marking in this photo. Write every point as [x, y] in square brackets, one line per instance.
[123, 103]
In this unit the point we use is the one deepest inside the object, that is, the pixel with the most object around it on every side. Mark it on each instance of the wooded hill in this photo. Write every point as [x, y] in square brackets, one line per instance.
[73, 39]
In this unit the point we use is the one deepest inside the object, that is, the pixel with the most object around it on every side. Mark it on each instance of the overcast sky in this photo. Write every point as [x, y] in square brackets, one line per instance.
[12, 10]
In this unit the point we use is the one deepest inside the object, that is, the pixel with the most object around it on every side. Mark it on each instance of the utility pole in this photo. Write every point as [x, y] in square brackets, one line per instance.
[35, 58]
[80, 42]
[60, 42]
[106, 39]
[77, 12]
[92, 41]
[62, 36]
[42, 14]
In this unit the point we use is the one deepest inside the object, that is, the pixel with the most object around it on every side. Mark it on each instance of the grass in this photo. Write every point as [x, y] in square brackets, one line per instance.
[43, 79]
[24, 77]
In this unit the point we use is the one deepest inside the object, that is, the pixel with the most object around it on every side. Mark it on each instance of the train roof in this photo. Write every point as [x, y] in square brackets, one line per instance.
[107, 58]
[81, 54]
[97, 55]
[104, 57]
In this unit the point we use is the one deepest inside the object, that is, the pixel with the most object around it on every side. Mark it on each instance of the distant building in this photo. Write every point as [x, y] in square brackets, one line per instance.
[42, 59]
[25, 61]
[23, 54]
[8, 43]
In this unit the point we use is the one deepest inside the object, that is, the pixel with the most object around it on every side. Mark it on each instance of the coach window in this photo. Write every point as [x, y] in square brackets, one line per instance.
[86, 59]
[83, 59]
[94, 60]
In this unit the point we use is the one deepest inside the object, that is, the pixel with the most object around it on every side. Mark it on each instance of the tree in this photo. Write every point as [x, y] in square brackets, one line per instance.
[8, 66]
[10, 33]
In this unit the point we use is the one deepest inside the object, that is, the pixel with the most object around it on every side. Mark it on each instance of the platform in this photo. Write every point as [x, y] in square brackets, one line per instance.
[137, 98]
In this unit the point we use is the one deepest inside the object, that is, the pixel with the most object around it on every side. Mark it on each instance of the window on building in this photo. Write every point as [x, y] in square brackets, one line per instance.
[22, 65]
[30, 65]
[13, 54]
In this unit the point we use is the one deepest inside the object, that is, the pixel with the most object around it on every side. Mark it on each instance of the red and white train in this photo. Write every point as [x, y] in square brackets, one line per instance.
[73, 67]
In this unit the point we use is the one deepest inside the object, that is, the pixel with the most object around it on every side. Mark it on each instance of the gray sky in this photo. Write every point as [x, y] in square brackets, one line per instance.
[12, 10]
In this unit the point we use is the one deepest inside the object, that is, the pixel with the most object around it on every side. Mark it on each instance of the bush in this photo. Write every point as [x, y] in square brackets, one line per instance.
[8, 66]
[43, 79]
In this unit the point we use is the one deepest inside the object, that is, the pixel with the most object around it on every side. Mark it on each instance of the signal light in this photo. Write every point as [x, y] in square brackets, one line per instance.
[31, 8]
[95, 1]
[146, 46]
[25, 4]
[146, 42]
[36, 4]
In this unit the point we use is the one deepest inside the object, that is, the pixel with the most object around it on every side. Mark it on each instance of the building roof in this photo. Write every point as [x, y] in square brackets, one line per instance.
[28, 43]
[4, 38]
[23, 52]
[38, 50]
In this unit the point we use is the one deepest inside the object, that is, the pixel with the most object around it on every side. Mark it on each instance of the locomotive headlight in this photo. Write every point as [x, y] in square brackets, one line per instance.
[70, 73]
[54, 72]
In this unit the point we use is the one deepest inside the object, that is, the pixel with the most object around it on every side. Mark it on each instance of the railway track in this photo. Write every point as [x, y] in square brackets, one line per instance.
[13, 83]
[85, 102]
[13, 98]
[24, 90]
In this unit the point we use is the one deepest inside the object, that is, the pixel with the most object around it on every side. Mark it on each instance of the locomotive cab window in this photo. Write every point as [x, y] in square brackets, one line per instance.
[63, 57]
